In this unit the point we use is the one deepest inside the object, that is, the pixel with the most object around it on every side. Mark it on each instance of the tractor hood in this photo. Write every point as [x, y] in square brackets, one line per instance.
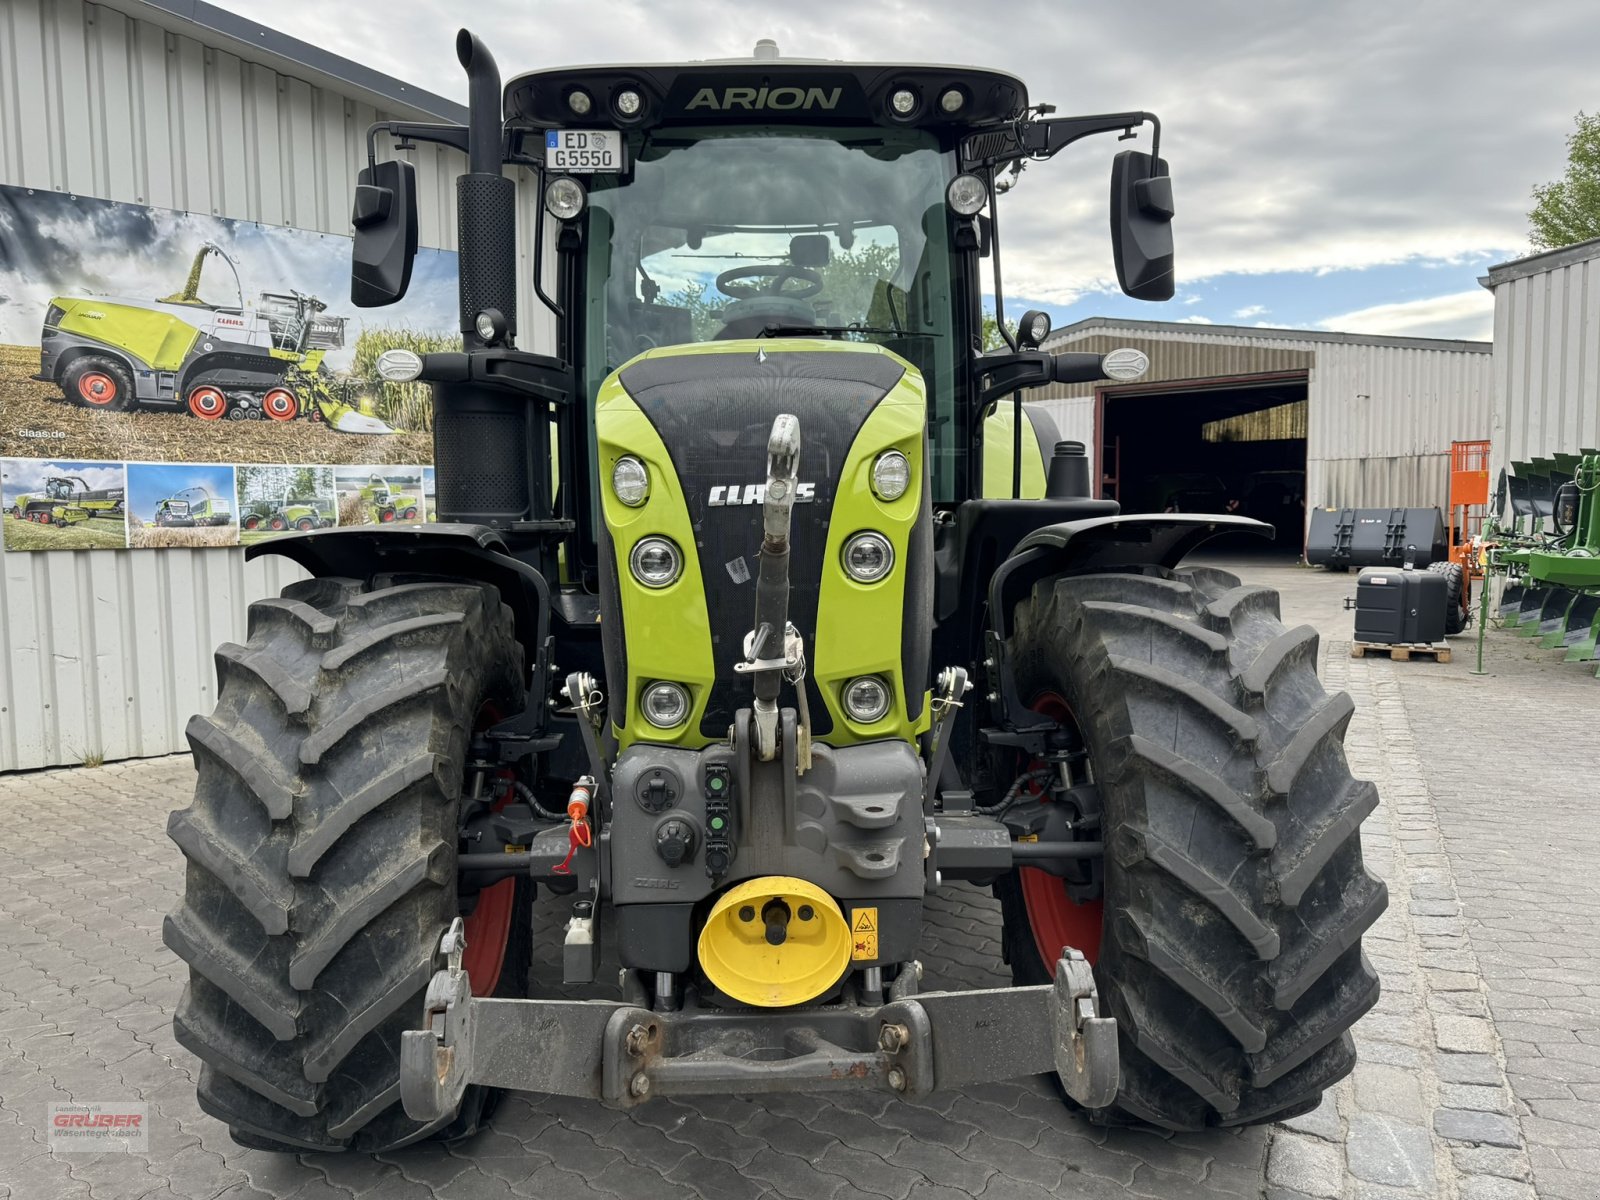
[698, 417]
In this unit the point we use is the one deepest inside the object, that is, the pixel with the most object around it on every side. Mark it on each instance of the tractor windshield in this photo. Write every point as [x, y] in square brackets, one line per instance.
[728, 233]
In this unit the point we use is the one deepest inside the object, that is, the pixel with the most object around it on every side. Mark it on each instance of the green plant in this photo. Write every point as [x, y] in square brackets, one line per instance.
[403, 405]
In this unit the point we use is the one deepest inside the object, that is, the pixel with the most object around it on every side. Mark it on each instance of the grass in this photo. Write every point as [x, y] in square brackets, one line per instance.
[94, 758]
[146, 537]
[94, 534]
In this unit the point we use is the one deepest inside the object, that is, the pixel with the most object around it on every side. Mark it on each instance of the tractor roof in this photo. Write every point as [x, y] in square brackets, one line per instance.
[765, 90]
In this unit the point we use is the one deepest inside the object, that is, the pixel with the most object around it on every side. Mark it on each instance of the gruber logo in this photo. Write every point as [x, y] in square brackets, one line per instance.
[98, 1120]
[98, 1127]
[755, 493]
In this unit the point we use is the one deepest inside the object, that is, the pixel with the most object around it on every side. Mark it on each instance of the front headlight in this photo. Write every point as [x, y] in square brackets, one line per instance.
[891, 475]
[665, 704]
[630, 481]
[655, 562]
[866, 699]
[867, 557]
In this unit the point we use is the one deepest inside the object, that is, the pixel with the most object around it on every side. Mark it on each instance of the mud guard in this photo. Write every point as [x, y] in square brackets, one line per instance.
[456, 551]
[1094, 545]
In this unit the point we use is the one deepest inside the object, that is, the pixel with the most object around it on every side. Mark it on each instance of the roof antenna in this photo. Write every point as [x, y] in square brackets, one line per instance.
[766, 48]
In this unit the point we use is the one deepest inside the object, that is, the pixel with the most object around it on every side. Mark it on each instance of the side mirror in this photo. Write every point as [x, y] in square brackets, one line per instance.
[1141, 225]
[385, 219]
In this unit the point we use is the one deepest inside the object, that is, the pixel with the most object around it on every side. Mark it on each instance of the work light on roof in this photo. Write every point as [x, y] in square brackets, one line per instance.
[952, 100]
[966, 195]
[629, 102]
[578, 101]
[903, 101]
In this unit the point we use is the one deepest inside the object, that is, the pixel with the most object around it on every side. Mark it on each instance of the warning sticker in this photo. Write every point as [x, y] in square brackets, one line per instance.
[864, 934]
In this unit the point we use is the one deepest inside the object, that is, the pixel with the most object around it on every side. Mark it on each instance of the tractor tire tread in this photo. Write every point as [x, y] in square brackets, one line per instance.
[319, 876]
[1235, 891]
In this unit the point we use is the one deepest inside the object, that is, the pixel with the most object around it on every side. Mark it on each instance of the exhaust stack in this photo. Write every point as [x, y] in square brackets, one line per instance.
[486, 206]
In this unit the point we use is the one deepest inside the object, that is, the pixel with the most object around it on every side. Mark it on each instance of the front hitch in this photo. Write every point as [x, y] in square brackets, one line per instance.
[773, 649]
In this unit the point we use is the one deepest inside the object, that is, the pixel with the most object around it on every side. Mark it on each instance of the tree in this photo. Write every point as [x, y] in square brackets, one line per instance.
[991, 331]
[1568, 210]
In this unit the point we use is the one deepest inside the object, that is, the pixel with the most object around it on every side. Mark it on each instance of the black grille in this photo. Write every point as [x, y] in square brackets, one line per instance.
[714, 413]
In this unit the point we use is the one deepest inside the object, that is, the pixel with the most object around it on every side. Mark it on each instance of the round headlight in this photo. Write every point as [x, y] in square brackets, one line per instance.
[579, 102]
[629, 103]
[655, 562]
[966, 195]
[630, 481]
[490, 325]
[665, 705]
[868, 557]
[904, 102]
[399, 366]
[891, 475]
[564, 198]
[866, 699]
[952, 100]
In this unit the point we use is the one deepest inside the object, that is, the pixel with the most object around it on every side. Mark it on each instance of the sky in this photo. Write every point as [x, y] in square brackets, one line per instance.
[1337, 164]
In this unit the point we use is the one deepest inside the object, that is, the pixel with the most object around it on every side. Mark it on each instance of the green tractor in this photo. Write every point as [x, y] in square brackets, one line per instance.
[301, 514]
[839, 625]
[261, 361]
[69, 500]
[385, 505]
[190, 507]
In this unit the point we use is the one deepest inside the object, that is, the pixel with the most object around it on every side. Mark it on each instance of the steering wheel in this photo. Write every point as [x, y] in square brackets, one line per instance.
[810, 282]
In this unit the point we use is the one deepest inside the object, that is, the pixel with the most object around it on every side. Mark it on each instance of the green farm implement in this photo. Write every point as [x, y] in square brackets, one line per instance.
[68, 500]
[300, 514]
[190, 507]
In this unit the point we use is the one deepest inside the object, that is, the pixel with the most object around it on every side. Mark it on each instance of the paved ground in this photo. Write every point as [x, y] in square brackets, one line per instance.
[1480, 1071]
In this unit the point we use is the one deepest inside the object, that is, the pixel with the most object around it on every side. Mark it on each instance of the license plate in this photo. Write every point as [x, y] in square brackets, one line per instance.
[583, 150]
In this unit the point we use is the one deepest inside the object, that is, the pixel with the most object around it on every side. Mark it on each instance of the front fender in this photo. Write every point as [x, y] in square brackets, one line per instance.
[1104, 544]
[473, 552]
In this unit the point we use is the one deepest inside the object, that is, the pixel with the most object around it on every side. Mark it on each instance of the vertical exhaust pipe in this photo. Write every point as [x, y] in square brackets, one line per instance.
[486, 204]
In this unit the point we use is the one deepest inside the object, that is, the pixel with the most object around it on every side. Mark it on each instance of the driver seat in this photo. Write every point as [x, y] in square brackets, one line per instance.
[749, 317]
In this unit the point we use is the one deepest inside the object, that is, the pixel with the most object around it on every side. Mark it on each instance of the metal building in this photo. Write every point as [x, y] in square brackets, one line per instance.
[176, 104]
[1228, 413]
[1546, 354]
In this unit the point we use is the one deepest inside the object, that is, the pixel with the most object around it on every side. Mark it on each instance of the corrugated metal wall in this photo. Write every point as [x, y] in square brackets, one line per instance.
[1546, 354]
[108, 653]
[1382, 414]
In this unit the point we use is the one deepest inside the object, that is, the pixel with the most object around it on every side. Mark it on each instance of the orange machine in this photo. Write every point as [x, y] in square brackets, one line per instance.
[1469, 501]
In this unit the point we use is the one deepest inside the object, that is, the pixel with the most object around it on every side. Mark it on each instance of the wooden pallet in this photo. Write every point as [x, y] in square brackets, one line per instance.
[1400, 651]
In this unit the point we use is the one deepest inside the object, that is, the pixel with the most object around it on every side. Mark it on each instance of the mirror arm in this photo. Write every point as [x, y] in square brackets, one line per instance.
[1048, 137]
[994, 263]
[454, 136]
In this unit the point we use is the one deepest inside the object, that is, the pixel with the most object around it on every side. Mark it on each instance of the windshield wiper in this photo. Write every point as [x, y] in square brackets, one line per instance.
[774, 329]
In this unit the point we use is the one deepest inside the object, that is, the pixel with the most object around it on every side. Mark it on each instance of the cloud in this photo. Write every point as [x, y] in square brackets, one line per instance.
[1352, 133]
[1250, 310]
[1196, 319]
[1468, 315]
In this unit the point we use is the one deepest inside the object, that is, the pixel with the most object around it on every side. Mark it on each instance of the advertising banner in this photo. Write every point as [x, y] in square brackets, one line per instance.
[175, 379]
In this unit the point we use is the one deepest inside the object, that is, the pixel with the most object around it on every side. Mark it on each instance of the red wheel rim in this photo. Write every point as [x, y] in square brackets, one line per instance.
[1052, 916]
[97, 388]
[279, 523]
[488, 929]
[207, 403]
[386, 515]
[280, 404]
[410, 513]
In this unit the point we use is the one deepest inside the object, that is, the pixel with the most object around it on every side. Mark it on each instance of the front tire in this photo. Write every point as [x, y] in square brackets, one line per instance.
[1234, 891]
[95, 381]
[321, 850]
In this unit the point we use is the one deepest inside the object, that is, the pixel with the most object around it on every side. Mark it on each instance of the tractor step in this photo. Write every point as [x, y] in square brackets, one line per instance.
[1400, 651]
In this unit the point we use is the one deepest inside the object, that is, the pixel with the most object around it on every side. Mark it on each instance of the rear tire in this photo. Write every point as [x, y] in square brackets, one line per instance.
[1235, 895]
[1455, 586]
[321, 850]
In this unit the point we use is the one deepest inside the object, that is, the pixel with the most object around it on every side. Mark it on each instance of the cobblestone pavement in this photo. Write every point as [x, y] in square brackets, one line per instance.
[1487, 956]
